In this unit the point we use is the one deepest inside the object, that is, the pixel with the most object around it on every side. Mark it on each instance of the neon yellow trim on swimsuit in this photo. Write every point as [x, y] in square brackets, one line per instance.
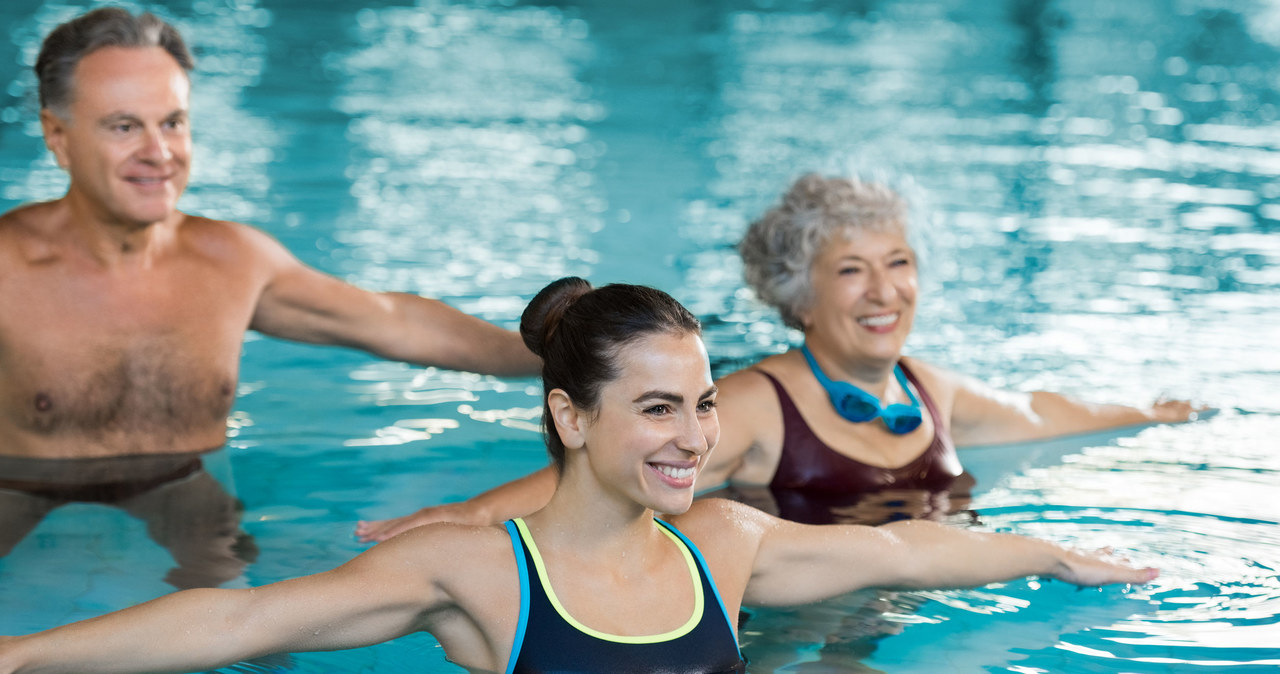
[652, 639]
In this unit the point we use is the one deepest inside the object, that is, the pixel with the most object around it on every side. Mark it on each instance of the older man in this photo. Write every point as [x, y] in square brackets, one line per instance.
[122, 318]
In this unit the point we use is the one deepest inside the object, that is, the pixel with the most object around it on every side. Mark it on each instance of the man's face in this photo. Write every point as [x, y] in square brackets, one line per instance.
[125, 142]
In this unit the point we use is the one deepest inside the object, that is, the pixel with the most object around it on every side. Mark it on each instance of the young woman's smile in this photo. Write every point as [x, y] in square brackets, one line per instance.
[655, 421]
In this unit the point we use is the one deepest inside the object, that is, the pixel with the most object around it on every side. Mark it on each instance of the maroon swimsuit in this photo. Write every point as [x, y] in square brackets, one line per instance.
[812, 478]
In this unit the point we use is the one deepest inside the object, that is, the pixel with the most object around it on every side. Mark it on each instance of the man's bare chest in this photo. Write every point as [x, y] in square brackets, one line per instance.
[133, 355]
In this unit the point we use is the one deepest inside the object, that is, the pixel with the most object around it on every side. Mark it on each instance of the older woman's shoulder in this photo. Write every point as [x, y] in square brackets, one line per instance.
[755, 377]
[939, 380]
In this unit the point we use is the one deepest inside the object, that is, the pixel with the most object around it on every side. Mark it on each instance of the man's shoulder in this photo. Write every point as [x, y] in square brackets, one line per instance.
[213, 235]
[189, 224]
[28, 230]
[27, 218]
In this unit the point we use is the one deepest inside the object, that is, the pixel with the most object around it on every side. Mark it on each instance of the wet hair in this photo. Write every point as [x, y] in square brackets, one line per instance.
[70, 42]
[778, 250]
[578, 331]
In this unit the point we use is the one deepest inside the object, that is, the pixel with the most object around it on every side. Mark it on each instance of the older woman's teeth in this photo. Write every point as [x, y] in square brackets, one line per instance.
[878, 321]
[677, 473]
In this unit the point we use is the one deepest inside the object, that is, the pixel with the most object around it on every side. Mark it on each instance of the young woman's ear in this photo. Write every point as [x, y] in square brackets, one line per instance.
[568, 419]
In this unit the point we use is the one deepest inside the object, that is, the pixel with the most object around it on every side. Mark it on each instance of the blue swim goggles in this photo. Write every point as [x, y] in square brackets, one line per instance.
[858, 406]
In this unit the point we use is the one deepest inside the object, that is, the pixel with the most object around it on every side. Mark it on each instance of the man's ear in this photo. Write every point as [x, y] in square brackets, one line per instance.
[568, 418]
[55, 135]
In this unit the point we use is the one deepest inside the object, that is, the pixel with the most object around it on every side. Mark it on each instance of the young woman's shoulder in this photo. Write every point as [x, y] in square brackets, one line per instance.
[723, 521]
[728, 534]
[430, 554]
[477, 544]
[467, 579]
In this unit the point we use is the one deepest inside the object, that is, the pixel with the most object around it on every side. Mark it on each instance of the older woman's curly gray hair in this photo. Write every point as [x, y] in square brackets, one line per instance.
[779, 248]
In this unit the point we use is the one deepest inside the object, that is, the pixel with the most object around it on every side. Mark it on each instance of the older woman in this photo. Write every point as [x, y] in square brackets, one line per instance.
[846, 414]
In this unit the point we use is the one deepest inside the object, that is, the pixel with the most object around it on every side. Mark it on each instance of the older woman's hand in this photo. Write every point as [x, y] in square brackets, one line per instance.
[1173, 411]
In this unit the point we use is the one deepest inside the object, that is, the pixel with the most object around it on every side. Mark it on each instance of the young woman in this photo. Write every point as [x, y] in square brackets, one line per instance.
[833, 258]
[593, 581]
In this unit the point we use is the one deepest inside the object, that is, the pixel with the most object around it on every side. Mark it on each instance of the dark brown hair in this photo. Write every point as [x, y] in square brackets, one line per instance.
[579, 330]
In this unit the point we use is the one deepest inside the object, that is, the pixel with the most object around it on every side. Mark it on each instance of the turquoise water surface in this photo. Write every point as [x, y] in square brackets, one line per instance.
[1104, 182]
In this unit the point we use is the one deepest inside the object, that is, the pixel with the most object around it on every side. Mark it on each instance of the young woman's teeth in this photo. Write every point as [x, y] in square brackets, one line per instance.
[676, 473]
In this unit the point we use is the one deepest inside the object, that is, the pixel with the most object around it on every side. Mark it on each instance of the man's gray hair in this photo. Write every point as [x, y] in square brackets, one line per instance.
[105, 27]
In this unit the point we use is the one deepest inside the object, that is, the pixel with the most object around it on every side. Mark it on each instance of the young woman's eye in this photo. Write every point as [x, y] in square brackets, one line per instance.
[658, 410]
[706, 406]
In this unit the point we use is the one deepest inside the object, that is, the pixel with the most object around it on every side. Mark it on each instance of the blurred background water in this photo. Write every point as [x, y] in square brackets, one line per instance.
[1101, 181]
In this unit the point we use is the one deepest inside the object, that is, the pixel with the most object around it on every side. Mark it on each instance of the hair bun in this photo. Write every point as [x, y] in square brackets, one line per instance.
[542, 316]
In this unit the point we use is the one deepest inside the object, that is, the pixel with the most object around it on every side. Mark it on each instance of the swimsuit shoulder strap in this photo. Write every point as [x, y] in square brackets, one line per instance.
[522, 569]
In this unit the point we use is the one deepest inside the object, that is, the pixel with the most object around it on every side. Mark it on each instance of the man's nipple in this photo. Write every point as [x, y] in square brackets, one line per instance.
[43, 402]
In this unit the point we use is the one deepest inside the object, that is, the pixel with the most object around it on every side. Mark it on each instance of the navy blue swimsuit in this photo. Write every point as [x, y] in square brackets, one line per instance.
[550, 640]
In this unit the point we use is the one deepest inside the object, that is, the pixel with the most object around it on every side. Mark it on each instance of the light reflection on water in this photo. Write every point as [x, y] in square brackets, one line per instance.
[1104, 181]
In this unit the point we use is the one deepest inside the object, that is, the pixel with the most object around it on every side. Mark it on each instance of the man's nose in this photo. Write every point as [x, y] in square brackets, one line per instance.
[155, 147]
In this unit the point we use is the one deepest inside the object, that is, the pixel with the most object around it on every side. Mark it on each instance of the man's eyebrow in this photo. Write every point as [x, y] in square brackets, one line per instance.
[119, 117]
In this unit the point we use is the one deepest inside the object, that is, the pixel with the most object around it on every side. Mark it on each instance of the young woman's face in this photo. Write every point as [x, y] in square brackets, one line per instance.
[655, 423]
[864, 295]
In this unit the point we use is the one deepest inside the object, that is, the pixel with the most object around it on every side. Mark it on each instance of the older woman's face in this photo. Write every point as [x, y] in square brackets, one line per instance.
[864, 295]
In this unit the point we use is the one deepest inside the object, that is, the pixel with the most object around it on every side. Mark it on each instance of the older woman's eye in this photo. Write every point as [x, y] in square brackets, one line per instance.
[657, 409]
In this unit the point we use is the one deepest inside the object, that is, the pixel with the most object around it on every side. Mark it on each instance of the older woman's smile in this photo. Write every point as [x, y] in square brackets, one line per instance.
[880, 322]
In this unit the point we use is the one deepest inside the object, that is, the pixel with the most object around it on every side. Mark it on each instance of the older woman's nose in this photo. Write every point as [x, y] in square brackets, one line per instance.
[880, 286]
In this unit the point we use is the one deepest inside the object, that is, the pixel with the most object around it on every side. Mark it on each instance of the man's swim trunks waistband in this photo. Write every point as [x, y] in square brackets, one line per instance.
[101, 492]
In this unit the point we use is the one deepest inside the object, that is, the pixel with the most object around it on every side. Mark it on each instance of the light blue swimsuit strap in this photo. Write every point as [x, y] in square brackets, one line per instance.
[523, 571]
[706, 571]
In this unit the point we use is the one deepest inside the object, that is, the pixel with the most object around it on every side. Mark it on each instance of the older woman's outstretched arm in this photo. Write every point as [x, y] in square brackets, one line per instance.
[984, 415]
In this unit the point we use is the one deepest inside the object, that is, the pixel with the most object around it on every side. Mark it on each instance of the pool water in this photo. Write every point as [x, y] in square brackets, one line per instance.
[1104, 182]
